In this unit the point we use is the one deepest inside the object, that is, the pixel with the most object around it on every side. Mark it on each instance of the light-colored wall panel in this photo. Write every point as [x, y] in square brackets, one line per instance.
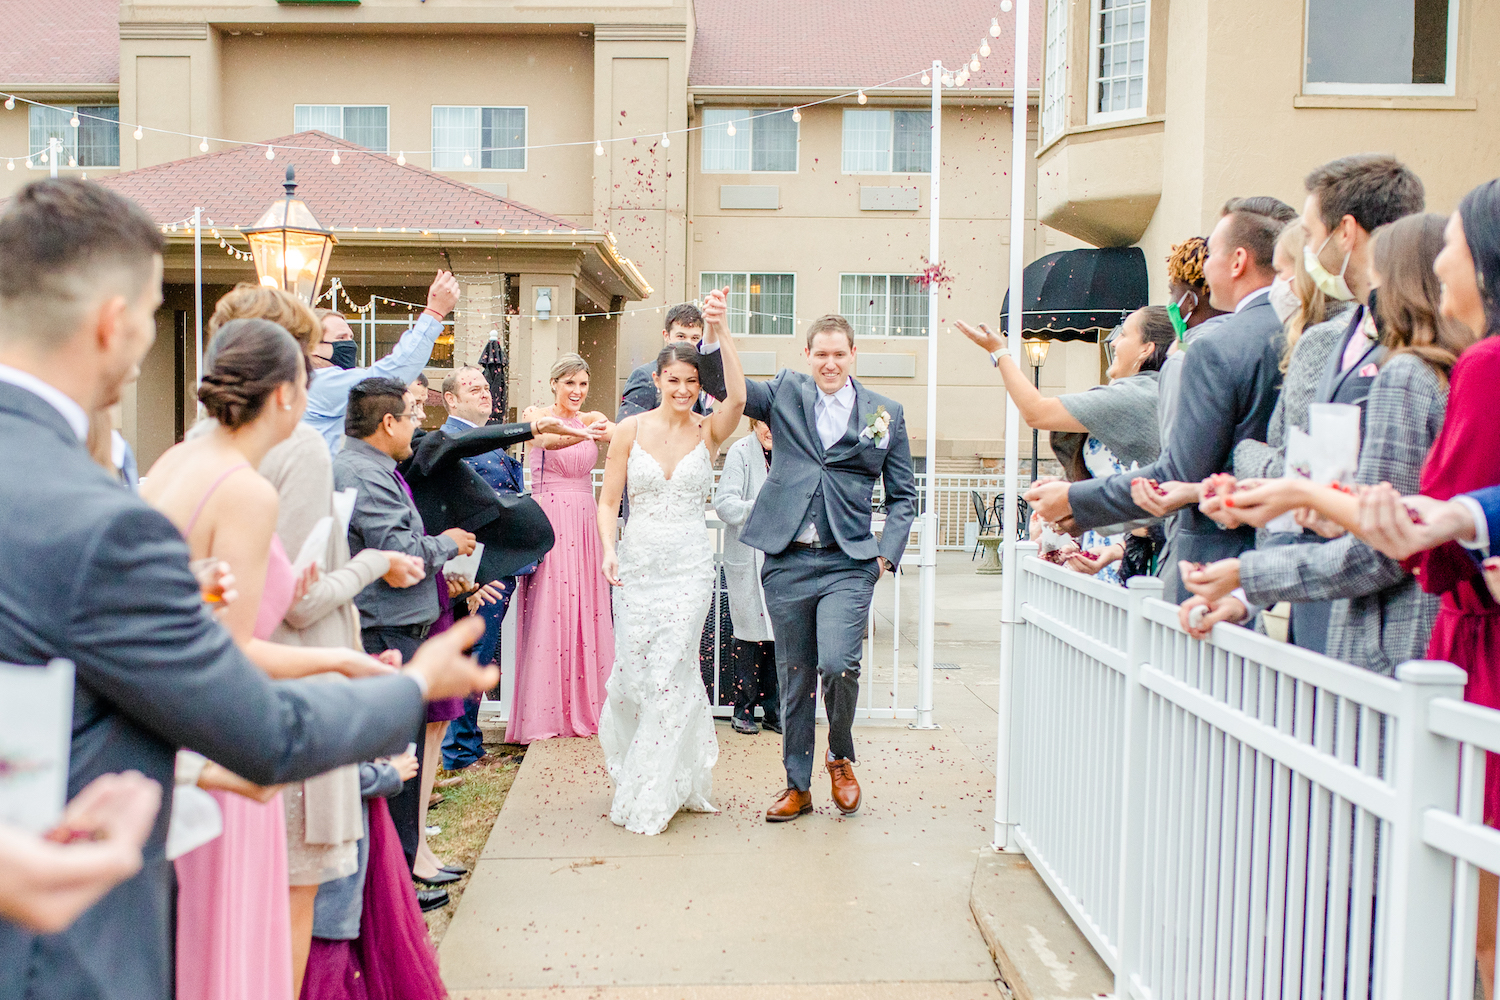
[164, 100]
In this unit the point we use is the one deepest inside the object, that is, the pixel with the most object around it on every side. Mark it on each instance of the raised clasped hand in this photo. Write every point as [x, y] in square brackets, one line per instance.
[716, 307]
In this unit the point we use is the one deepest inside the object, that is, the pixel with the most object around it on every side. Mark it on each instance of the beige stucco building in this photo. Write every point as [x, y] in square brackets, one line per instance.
[1149, 114]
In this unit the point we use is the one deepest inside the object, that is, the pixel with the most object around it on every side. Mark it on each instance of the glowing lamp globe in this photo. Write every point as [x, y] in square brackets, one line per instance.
[1036, 351]
[290, 248]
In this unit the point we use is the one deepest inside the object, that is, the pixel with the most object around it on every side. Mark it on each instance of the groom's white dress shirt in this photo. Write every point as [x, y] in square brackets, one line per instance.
[832, 411]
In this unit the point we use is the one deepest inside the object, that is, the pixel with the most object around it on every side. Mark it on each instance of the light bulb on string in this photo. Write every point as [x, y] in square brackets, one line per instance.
[666, 140]
[995, 21]
[974, 63]
[1004, 6]
[926, 79]
[28, 163]
[138, 133]
[10, 104]
[468, 160]
[72, 161]
[401, 158]
[730, 130]
[862, 98]
[796, 114]
[599, 146]
[270, 152]
[947, 79]
[203, 146]
[43, 158]
[984, 47]
[74, 120]
[10, 164]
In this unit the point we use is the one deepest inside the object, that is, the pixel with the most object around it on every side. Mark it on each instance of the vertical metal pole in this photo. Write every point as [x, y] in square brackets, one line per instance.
[1020, 76]
[927, 608]
[198, 288]
[1036, 380]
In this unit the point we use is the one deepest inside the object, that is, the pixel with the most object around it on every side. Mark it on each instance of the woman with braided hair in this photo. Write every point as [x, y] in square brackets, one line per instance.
[234, 937]
[1189, 290]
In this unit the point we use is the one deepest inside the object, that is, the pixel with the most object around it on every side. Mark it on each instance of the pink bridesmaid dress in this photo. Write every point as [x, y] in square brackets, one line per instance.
[234, 939]
[565, 640]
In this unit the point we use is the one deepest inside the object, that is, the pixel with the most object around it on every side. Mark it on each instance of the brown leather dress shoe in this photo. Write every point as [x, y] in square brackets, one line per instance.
[789, 805]
[845, 788]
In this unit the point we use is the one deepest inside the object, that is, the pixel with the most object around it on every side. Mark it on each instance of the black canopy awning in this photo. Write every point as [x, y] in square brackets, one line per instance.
[1073, 294]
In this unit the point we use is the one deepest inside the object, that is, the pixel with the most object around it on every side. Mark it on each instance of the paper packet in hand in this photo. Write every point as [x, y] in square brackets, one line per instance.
[466, 567]
[315, 546]
[1298, 466]
[36, 733]
[1334, 429]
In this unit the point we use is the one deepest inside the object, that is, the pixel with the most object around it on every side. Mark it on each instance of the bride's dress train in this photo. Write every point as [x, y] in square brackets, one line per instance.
[657, 728]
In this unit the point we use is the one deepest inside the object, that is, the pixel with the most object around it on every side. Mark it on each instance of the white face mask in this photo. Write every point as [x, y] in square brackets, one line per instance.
[1284, 300]
[1332, 285]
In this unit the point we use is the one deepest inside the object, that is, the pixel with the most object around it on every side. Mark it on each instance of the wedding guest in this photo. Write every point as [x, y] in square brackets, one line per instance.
[565, 637]
[322, 813]
[370, 941]
[1119, 418]
[1379, 615]
[1189, 291]
[335, 375]
[753, 654]
[76, 319]
[110, 449]
[253, 389]
[1233, 372]
[46, 882]
[466, 394]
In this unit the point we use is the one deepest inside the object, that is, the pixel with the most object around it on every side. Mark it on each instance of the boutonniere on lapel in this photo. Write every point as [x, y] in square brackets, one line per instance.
[878, 428]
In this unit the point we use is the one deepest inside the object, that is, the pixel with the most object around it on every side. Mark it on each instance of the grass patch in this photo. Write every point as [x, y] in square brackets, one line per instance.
[467, 814]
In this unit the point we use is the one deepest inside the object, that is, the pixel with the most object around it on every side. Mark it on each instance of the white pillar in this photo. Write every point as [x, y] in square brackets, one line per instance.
[1018, 112]
[927, 560]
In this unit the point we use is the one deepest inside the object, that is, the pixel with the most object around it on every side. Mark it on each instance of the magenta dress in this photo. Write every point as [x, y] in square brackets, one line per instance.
[234, 939]
[565, 641]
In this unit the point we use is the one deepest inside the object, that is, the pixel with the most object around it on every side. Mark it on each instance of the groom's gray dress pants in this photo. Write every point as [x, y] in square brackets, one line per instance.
[819, 600]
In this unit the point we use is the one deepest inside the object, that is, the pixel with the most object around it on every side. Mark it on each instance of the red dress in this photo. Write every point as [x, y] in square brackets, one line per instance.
[1463, 458]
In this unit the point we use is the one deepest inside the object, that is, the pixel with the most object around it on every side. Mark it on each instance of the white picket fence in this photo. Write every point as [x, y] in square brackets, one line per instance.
[1238, 817]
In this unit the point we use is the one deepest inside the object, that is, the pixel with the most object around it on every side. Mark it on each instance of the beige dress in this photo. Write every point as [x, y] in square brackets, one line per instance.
[324, 815]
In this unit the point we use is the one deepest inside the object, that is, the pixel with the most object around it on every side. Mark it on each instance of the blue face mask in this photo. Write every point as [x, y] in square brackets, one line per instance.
[345, 354]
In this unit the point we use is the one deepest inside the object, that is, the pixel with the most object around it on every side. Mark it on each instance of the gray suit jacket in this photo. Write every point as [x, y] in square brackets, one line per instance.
[1230, 379]
[1381, 616]
[846, 472]
[106, 585]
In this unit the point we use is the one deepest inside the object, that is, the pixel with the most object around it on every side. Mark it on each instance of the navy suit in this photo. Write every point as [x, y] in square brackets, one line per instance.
[1489, 502]
[464, 743]
[96, 576]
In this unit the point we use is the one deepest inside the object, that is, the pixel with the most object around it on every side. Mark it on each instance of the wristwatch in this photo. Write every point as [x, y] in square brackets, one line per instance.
[995, 358]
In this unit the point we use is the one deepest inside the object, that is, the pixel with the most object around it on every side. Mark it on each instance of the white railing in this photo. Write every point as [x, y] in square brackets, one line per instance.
[1238, 817]
[881, 667]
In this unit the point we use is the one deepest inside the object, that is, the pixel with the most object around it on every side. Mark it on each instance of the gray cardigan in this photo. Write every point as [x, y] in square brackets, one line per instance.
[1121, 416]
[734, 498]
[1264, 459]
[1381, 615]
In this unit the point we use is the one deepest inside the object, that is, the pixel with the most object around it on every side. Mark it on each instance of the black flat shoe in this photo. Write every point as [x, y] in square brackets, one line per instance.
[440, 879]
[771, 726]
[432, 899]
[454, 869]
[746, 726]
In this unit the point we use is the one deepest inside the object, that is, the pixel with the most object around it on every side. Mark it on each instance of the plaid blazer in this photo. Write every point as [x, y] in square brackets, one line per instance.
[1381, 616]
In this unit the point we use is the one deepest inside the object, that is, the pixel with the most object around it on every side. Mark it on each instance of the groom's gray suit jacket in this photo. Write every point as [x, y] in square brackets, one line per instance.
[842, 477]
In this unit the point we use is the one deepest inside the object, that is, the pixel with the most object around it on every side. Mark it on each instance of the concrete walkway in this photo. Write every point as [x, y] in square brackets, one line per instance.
[877, 907]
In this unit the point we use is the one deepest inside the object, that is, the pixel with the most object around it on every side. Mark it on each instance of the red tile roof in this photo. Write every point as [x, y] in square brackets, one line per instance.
[60, 41]
[851, 43]
[236, 185]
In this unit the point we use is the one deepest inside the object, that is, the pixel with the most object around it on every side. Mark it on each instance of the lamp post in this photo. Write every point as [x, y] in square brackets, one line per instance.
[291, 249]
[1036, 355]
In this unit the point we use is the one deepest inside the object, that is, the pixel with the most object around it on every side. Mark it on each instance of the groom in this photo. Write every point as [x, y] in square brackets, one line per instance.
[834, 439]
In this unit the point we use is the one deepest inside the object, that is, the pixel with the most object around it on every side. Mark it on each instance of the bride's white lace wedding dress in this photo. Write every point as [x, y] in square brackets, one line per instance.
[657, 729]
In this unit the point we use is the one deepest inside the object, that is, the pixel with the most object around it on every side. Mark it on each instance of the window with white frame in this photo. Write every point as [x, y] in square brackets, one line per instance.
[468, 138]
[762, 140]
[1117, 74]
[366, 125]
[878, 141]
[1381, 47]
[95, 142]
[884, 305]
[760, 305]
[1055, 79]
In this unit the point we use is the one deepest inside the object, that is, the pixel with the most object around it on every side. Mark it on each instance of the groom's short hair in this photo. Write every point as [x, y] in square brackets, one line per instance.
[828, 324]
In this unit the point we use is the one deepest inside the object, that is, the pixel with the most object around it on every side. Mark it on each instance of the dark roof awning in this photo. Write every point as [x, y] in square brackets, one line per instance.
[1073, 294]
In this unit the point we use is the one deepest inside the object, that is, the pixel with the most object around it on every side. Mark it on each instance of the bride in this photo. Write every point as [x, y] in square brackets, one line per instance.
[657, 729]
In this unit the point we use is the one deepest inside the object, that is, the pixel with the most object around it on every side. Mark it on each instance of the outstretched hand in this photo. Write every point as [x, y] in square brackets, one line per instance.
[982, 335]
